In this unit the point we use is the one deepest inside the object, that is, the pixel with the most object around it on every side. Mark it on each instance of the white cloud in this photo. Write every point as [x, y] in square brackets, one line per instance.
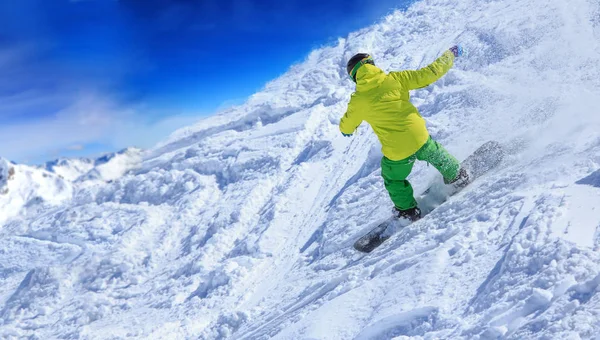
[47, 111]
[92, 118]
[76, 147]
[144, 133]
[85, 121]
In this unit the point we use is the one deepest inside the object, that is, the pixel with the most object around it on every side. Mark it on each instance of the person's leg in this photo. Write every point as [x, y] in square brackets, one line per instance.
[394, 175]
[435, 154]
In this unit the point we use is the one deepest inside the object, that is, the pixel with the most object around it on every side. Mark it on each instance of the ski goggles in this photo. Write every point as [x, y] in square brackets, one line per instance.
[367, 60]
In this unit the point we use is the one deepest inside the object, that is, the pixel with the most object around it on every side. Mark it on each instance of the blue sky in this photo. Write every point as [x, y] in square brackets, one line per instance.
[90, 76]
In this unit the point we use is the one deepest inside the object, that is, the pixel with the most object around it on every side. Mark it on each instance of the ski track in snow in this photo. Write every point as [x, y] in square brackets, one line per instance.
[241, 227]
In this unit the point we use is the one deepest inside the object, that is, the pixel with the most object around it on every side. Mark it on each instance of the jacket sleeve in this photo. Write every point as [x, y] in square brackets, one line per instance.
[427, 75]
[351, 119]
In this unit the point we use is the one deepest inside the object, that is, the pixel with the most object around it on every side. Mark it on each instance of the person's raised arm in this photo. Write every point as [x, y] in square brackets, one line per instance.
[429, 74]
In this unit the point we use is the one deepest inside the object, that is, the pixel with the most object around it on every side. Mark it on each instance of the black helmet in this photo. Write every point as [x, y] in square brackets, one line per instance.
[356, 62]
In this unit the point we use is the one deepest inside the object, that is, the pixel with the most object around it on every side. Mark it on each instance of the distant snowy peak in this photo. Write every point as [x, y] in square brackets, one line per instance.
[111, 167]
[107, 167]
[129, 152]
[70, 168]
[26, 189]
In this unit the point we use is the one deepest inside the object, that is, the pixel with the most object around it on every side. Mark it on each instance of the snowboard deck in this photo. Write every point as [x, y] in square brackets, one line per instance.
[482, 160]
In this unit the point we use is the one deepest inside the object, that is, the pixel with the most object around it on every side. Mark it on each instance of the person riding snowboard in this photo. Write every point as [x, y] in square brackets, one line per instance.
[383, 101]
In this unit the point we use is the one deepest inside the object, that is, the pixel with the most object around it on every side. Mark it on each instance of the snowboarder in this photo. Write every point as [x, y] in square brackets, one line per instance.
[383, 101]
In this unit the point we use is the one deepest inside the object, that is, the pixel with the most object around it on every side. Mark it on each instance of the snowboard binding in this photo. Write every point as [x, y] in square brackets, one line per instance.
[412, 214]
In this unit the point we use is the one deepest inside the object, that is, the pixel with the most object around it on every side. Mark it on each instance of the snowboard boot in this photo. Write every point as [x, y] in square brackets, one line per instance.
[412, 214]
[461, 180]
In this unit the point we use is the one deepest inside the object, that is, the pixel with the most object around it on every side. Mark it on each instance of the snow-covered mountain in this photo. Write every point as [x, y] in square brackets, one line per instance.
[28, 191]
[106, 167]
[24, 190]
[241, 227]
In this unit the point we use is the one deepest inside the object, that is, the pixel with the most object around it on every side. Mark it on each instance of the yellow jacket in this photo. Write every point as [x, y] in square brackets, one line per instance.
[383, 101]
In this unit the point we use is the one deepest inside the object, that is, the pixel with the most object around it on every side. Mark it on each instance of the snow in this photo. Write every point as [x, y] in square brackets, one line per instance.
[106, 168]
[241, 226]
[70, 169]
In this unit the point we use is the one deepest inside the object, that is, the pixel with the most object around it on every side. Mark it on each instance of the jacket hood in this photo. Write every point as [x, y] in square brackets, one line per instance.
[369, 77]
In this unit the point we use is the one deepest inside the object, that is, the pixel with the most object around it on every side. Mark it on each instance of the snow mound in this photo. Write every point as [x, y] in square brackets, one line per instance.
[241, 227]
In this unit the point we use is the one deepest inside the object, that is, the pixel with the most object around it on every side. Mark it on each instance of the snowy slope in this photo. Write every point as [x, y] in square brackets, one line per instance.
[241, 226]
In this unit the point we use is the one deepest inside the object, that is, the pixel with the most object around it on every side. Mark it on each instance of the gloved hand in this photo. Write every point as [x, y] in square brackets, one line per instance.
[457, 50]
[347, 134]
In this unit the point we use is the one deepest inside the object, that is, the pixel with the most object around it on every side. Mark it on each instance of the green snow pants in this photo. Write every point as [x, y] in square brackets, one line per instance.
[394, 173]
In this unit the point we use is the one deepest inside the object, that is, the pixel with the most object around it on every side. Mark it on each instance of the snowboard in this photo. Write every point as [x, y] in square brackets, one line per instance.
[482, 160]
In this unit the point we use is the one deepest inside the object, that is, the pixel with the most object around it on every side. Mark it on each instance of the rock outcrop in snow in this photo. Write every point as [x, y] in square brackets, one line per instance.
[241, 226]
[7, 172]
